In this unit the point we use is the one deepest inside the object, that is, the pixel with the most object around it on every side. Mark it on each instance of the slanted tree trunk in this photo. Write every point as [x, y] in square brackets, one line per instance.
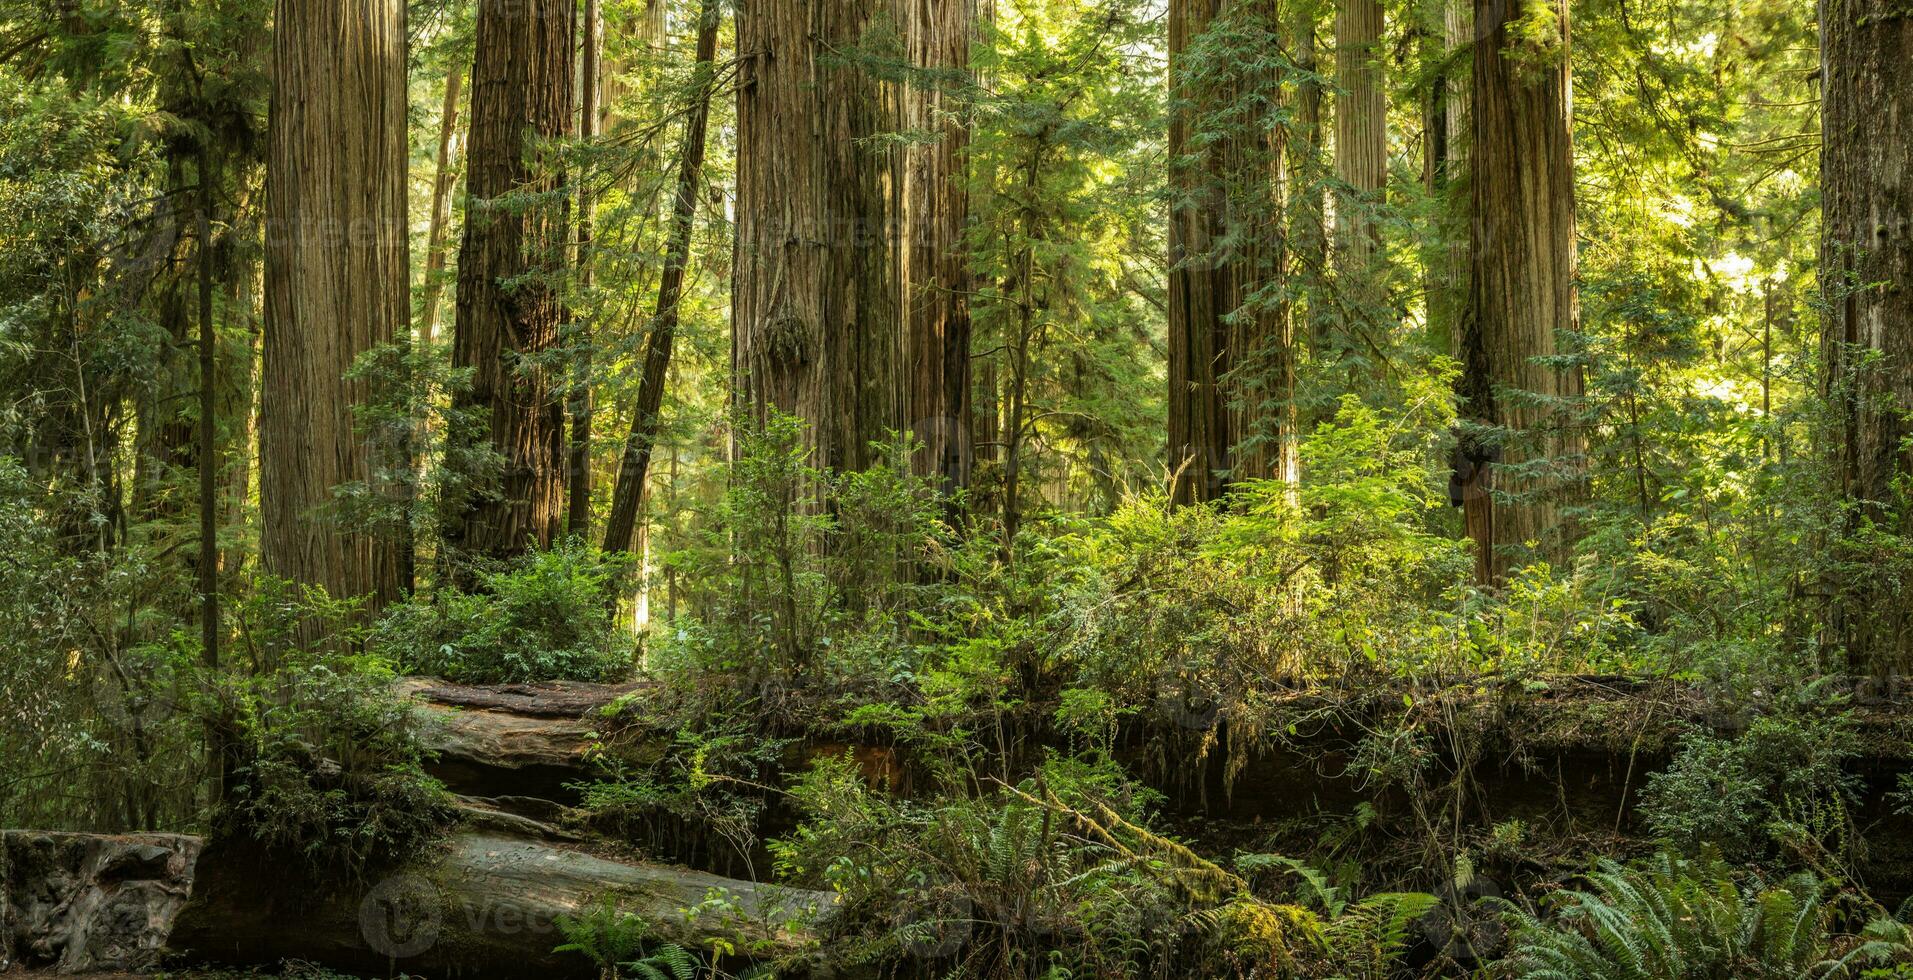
[934, 270]
[336, 275]
[1866, 268]
[815, 319]
[1521, 292]
[627, 498]
[1231, 367]
[508, 304]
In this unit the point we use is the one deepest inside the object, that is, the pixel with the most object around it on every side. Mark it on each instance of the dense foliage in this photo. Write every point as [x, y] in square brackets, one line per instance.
[1069, 671]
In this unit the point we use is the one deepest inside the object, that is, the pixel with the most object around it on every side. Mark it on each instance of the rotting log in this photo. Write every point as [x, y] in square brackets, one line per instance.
[525, 741]
[85, 902]
[481, 904]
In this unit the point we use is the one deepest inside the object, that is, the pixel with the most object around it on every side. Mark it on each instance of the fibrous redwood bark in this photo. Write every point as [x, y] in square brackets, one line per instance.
[336, 275]
[815, 318]
[1231, 367]
[1521, 292]
[933, 267]
[1866, 172]
[591, 88]
[509, 310]
[1361, 133]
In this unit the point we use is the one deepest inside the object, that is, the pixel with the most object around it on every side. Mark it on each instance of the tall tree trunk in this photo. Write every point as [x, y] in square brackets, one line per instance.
[1201, 284]
[508, 304]
[815, 319]
[934, 270]
[627, 498]
[239, 395]
[1231, 367]
[1866, 263]
[336, 274]
[1361, 129]
[209, 458]
[591, 85]
[1260, 386]
[1444, 136]
[442, 183]
[1521, 293]
[1308, 222]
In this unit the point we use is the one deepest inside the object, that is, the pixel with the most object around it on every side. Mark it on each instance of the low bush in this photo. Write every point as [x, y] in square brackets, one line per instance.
[326, 762]
[549, 616]
[1059, 876]
[1782, 782]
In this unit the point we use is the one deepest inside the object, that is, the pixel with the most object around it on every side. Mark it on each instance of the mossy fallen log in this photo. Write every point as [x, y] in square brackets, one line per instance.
[481, 904]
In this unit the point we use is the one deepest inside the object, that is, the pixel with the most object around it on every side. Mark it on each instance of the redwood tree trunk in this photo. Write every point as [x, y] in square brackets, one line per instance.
[1304, 172]
[932, 264]
[1866, 174]
[508, 301]
[1201, 287]
[1521, 292]
[815, 320]
[591, 85]
[1444, 129]
[1231, 365]
[336, 277]
[1361, 134]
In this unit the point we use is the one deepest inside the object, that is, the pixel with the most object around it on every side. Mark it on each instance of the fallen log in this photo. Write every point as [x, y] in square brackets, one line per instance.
[547, 699]
[526, 745]
[480, 905]
[508, 740]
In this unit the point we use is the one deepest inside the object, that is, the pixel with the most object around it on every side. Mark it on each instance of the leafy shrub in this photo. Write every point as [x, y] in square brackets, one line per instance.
[779, 581]
[1670, 917]
[620, 944]
[1781, 781]
[549, 616]
[1205, 609]
[704, 790]
[1060, 876]
[327, 762]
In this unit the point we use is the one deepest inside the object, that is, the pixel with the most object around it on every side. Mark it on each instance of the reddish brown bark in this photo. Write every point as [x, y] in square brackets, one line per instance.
[1521, 293]
[815, 319]
[1866, 171]
[508, 304]
[336, 275]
